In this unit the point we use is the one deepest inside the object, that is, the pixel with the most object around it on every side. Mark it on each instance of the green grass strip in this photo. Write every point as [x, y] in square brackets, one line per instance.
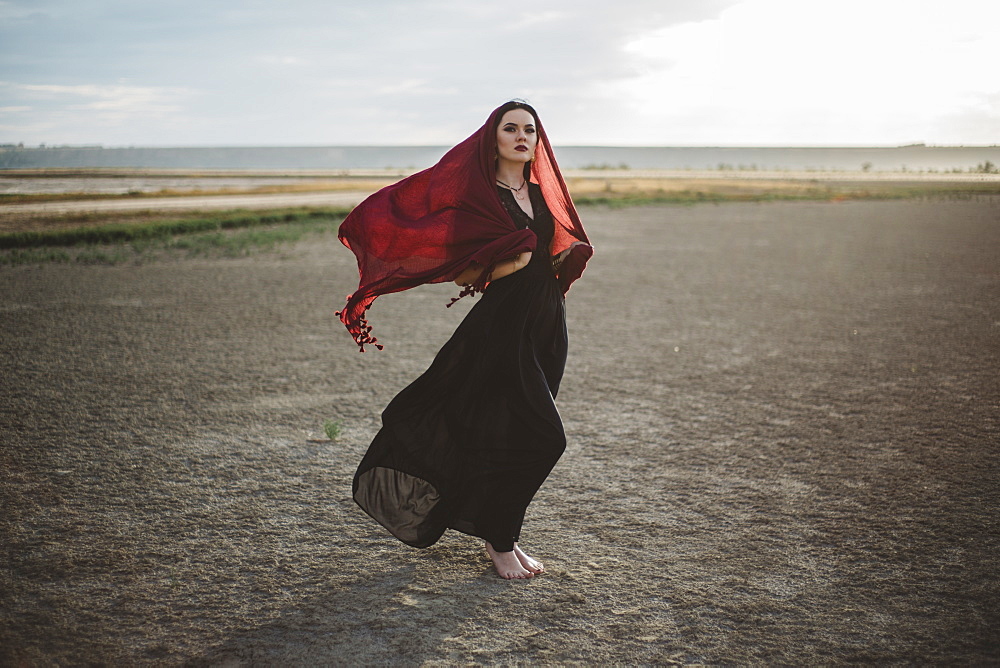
[697, 197]
[830, 193]
[229, 243]
[150, 230]
[34, 256]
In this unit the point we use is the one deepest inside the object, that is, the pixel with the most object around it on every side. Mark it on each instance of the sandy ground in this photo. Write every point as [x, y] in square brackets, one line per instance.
[218, 202]
[783, 423]
[122, 182]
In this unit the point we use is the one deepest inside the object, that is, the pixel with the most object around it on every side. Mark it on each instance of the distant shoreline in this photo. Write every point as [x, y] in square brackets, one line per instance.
[589, 173]
[914, 158]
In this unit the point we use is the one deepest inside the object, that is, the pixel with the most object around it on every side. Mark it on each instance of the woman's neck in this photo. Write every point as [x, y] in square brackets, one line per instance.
[510, 173]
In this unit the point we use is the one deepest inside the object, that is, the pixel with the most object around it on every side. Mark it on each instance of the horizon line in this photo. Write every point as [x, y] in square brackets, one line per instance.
[47, 146]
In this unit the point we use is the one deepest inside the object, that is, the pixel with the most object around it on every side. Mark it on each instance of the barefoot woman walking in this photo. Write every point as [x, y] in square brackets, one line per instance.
[468, 443]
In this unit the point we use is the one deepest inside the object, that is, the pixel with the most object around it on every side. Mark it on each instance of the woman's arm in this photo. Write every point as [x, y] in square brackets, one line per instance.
[505, 268]
[557, 260]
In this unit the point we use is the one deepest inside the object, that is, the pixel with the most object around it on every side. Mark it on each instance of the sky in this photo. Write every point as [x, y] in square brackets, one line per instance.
[428, 72]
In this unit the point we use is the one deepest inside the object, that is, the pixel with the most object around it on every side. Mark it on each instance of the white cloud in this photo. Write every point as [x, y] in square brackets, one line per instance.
[421, 86]
[787, 71]
[427, 71]
[122, 100]
[292, 61]
[57, 110]
[540, 17]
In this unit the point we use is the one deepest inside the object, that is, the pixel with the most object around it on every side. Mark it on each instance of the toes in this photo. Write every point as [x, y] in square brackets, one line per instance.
[516, 575]
[518, 570]
[529, 563]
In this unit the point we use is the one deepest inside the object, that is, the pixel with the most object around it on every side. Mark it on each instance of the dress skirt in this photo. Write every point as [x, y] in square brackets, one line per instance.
[468, 444]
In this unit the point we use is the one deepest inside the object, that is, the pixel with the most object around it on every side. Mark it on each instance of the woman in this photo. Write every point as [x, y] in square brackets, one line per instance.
[467, 444]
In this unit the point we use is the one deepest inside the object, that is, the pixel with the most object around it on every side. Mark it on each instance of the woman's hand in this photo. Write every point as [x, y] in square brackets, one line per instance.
[505, 268]
[469, 275]
[557, 260]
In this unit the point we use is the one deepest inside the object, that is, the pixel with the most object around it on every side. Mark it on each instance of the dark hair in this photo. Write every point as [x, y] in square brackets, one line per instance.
[516, 104]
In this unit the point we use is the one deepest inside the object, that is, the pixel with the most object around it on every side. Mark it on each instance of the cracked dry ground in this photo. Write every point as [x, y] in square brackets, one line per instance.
[783, 431]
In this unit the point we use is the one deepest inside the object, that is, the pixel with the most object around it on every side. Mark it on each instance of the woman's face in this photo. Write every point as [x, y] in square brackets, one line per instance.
[517, 136]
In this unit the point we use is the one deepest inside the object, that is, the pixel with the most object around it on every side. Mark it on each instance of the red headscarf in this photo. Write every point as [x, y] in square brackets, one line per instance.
[429, 227]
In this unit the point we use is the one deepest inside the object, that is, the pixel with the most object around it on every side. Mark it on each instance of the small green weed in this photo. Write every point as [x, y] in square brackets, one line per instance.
[332, 428]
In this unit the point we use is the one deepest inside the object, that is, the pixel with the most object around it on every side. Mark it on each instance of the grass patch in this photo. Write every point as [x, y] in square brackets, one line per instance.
[34, 256]
[231, 235]
[679, 197]
[242, 242]
[698, 197]
[164, 229]
[332, 428]
[831, 192]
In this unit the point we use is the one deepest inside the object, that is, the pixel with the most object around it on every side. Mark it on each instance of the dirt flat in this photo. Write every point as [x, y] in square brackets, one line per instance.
[783, 423]
[245, 201]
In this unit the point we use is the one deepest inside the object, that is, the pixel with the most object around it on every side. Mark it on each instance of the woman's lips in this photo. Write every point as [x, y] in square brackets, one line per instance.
[520, 148]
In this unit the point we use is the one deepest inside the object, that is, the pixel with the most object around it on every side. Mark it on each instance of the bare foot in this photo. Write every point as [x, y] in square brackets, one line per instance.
[508, 565]
[528, 562]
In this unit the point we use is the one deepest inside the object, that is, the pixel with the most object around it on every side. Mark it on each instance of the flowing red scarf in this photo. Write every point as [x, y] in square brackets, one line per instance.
[429, 227]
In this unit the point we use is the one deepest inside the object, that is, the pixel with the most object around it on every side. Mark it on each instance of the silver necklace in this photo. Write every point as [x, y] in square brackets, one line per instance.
[516, 191]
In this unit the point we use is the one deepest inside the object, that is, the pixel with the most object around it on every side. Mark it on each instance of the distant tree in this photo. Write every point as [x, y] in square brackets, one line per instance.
[986, 168]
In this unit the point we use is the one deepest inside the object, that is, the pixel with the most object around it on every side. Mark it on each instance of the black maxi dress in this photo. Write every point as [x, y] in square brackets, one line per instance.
[469, 442]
